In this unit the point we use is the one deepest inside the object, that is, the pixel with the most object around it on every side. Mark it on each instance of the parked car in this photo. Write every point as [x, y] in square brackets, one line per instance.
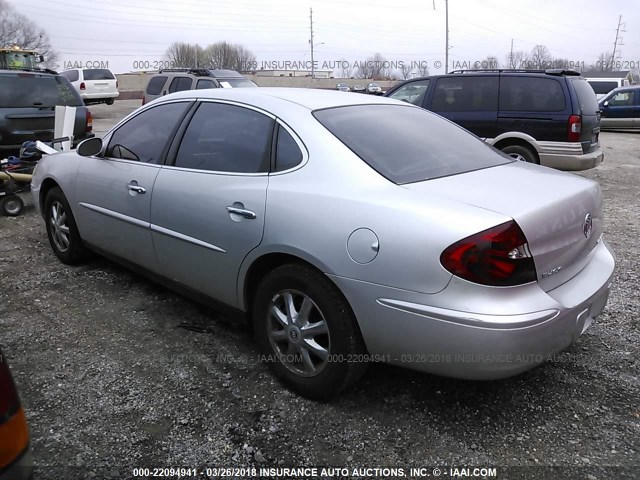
[348, 228]
[343, 87]
[602, 86]
[179, 79]
[359, 89]
[550, 118]
[27, 108]
[374, 89]
[95, 85]
[15, 452]
[621, 108]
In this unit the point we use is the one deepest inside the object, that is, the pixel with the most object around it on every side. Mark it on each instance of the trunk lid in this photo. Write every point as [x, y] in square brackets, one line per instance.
[550, 207]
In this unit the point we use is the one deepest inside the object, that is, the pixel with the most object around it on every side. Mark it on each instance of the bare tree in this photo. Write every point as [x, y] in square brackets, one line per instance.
[423, 69]
[185, 55]
[18, 29]
[405, 70]
[540, 57]
[375, 67]
[229, 55]
[518, 59]
[488, 63]
[346, 69]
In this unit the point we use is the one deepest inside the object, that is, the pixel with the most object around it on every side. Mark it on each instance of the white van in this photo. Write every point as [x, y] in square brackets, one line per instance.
[95, 85]
[602, 86]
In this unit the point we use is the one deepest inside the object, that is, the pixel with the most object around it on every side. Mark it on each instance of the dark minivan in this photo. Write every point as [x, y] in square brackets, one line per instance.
[27, 108]
[549, 117]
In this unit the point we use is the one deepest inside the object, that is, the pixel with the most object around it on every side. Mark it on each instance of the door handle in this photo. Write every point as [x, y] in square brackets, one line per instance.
[243, 212]
[136, 188]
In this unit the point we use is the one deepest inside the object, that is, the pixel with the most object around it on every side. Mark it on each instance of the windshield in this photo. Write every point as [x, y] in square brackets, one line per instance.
[29, 90]
[408, 144]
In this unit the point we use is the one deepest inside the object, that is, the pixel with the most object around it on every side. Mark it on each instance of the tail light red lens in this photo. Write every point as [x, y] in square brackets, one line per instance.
[574, 128]
[497, 257]
[83, 86]
[9, 402]
[144, 100]
[89, 126]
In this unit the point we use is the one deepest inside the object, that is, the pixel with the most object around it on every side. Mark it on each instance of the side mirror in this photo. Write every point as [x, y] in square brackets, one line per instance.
[606, 103]
[40, 59]
[89, 147]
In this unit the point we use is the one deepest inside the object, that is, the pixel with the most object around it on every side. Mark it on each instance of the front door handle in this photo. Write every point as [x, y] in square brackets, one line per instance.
[136, 188]
[243, 212]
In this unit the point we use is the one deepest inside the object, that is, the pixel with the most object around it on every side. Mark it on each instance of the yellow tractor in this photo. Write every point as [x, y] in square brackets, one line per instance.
[16, 58]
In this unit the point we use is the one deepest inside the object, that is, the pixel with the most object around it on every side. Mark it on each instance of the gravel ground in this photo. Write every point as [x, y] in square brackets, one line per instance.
[117, 372]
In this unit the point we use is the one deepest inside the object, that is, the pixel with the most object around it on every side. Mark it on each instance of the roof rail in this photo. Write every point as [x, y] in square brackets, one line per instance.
[26, 69]
[193, 71]
[548, 71]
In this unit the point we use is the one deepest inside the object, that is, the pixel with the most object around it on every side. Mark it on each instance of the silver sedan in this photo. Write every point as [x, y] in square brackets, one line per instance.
[349, 229]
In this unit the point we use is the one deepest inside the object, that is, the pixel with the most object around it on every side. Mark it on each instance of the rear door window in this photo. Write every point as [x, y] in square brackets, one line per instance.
[205, 83]
[29, 90]
[466, 94]
[622, 99]
[71, 75]
[155, 85]
[532, 94]
[179, 84]
[288, 153]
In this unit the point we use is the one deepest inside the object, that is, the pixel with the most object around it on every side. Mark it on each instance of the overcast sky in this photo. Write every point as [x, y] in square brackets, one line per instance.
[122, 32]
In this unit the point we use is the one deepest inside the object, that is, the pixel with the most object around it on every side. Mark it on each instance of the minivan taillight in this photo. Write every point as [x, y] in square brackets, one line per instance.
[144, 100]
[497, 257]
[574, 128]
[89, 126]
[83, 86]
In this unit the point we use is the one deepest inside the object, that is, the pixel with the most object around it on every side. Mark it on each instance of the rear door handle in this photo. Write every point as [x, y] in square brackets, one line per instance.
[136, 188]
[243, 212]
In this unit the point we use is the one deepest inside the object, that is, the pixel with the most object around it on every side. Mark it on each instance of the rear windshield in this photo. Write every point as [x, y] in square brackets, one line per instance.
[603, 87]
[28, 90]
[407, 144]
[236, 83]
[586, 96]
[98, 74]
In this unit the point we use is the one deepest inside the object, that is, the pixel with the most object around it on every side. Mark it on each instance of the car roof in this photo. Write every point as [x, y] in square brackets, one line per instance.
[16, 71]
[270, 97]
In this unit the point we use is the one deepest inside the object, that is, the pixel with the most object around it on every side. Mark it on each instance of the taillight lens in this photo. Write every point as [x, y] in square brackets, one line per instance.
[574, 128]
[497, 257]
[89, 126]
[9, 401]
[144, 100]
[83, 86]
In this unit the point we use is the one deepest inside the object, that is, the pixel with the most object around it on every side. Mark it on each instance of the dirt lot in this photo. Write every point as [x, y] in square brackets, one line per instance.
[117, 372]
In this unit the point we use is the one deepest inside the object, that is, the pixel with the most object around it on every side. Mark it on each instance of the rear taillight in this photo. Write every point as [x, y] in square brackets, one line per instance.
[498, 257]
[89, 126]
[9, 402]
[83, 86]
[574, 128]
[144, 100]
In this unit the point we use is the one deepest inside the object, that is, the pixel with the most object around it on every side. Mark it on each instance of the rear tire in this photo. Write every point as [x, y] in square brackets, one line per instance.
[62, 230]
[521, 153]
[11, 206]
[307, 332]
[109, 101]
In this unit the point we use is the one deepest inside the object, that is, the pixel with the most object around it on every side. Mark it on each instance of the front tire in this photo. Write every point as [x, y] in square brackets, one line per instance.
[307, 332]
[62, 230]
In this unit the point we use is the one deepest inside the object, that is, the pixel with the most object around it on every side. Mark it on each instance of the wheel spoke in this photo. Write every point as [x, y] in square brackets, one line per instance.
[313, 329]
[279, 335]
[54, 213]
[63, 219]
[292, 349]
[64, 229]
[305, 310]
[279, 316]
[291, 309]
[318, 350]
[309, 367]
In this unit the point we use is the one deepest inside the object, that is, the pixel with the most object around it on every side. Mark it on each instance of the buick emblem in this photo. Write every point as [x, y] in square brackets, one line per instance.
[587, 226]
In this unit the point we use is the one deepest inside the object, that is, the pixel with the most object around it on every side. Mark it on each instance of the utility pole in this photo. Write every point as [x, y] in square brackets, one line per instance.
[446, 47]
[511, 65]
[618, 39]
[311, 41]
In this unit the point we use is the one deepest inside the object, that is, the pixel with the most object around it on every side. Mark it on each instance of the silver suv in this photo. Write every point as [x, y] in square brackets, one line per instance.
[178, 79]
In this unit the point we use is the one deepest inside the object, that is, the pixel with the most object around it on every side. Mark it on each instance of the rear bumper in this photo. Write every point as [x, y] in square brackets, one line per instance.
[99, 96]
[568, 156]
[493, 333]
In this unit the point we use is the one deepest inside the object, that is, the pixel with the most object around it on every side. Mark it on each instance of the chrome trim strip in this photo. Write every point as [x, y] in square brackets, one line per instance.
[502, 322]
[185, 238]
[112, 214]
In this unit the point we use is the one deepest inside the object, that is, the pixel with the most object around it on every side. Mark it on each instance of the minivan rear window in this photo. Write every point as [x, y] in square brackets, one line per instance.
[586, 96]
[407, 144]
[98, 74]
[531, 94]
[28, 90]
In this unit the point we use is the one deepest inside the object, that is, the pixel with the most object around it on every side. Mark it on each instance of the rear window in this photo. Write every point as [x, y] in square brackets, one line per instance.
[601, 88]
[27, 90]
[98, 74]
[407, 144]
[155, 85]
[586, 96]
[71, 75]
[531, 94]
